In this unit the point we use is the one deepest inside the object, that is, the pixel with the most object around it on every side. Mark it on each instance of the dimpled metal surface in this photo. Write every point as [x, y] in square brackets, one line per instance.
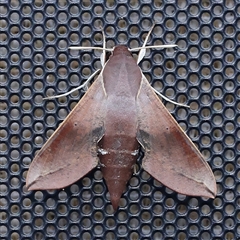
[202, 72]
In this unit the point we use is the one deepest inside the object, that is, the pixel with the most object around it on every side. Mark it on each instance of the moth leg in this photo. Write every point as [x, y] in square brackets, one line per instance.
[73, 90]
[101, 164]
[103, 55]
[143, 51]
[134, 169]
[169, 100]
[102, 152]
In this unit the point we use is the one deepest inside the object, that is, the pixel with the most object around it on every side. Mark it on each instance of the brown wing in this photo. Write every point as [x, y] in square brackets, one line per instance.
[71, 152]
[170, 156]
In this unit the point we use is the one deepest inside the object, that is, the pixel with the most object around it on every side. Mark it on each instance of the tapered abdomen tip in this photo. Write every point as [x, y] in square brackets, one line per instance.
[116, 189]
[115, 202]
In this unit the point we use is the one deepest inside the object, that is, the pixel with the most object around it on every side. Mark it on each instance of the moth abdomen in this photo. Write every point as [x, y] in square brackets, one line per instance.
[117, 168]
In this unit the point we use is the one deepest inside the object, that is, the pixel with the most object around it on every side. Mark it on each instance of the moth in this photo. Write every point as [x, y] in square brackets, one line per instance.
[119, 114]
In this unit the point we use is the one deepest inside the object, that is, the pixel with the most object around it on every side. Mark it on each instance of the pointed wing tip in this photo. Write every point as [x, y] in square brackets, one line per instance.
[210, 188]
[212, 192]
[28, 184]
[209, 195]
[204, 191]
[32, 183]
[41, 185]
[30, 189]
[31, 186]
[36, 187]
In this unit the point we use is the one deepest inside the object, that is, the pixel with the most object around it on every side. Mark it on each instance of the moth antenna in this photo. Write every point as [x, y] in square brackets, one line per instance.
[90, 48]
[153, 46]
[73, 90]
[142, 52]
[169, 100]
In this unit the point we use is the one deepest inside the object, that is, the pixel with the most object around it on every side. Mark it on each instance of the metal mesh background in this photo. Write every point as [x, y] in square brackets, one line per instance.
[203, 72]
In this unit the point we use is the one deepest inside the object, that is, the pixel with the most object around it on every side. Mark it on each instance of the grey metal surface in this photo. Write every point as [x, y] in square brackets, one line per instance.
[203, 72]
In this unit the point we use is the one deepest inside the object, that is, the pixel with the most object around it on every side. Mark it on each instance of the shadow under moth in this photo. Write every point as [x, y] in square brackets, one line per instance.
[120, 113]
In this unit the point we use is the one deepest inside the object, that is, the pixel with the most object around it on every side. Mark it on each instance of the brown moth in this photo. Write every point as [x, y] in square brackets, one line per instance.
[119, 114]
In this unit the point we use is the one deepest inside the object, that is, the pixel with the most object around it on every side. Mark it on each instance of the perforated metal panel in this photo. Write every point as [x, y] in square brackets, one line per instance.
[203, 72]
